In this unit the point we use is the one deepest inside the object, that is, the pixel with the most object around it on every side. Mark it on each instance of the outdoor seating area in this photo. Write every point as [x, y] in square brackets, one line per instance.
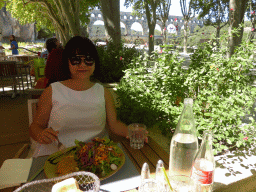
[128, 177]
[15, 77]
[128, 96]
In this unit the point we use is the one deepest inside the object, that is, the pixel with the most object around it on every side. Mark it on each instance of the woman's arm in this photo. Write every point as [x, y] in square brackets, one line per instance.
[12, 47]
[38, 129]
[115, 125]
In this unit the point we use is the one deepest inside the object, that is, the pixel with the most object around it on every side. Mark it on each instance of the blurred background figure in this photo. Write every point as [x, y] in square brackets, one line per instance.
[14, 45]
[53, 63]
[50, 44]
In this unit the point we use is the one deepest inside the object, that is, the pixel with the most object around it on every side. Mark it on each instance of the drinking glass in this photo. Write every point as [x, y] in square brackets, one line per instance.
[182, 183]
[137, 134]
[149, 185]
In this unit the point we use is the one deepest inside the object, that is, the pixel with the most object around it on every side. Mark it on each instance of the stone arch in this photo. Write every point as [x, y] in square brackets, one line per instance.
[97, 29]
[171, 28]
[158, 27]
[139, 26]
[125, 19]
[123, 31]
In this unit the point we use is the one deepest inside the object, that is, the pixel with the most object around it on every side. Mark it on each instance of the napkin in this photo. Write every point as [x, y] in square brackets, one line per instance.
[14, 172]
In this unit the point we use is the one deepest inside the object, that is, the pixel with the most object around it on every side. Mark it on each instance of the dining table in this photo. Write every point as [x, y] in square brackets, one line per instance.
[126, 179]
[21, 58]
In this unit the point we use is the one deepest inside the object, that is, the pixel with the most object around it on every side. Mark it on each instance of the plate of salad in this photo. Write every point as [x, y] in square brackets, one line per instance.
[101, 156]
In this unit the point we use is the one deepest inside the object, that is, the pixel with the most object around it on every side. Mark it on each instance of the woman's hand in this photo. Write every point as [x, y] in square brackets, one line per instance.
[47, 136]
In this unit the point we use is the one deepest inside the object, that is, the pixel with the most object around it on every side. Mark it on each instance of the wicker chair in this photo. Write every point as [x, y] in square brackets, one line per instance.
[87, 182]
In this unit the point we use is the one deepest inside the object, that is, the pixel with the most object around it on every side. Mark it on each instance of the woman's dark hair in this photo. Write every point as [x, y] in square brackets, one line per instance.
[51, 44]
[76, 46]
[80, 46]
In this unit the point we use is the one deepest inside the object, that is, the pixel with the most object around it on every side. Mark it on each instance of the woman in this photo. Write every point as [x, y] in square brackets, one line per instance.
[50, 44]
[14, 45]
[52, 69]
[76, 107]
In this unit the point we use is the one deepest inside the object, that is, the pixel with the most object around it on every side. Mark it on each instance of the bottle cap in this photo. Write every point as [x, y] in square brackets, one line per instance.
[159, 166]
[188, 101]
[145, 172]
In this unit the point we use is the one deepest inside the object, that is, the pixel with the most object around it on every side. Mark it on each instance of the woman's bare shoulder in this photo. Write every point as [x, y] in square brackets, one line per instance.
[46, 96]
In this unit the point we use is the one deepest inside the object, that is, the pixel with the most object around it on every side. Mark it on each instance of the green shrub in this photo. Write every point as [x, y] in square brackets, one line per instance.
[223, 93]
[149, 97]
[113, 62]
[221, 88]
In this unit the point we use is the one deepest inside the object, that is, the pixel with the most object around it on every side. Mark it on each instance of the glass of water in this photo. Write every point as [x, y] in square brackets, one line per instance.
[149, 185]
[137, 134]
[182, 183]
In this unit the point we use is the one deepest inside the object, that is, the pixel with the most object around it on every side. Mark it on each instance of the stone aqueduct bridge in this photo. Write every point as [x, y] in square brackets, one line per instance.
[128, 19]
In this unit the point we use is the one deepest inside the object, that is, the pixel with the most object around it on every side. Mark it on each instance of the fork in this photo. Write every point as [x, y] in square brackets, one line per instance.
[61, 147]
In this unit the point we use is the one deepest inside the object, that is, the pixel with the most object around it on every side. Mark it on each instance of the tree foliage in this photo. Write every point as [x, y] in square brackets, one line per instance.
[65, 17]
[214, 13]
[149, 8]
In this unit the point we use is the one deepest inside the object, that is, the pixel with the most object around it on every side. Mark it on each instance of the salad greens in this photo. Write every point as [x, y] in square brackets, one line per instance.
[97, 156]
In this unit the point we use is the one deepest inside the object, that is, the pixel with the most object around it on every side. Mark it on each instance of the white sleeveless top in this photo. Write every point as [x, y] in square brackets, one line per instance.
[77, 115]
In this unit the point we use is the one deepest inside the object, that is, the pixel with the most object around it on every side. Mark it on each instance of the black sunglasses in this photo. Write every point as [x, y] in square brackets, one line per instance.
[89, 61]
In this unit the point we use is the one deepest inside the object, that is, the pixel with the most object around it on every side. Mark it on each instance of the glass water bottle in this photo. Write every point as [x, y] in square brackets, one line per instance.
[204, 165]
[184, 143]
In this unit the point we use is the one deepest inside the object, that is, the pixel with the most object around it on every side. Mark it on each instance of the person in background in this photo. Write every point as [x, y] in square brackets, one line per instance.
[50, 44]
[14, 45]
[52, 69]
[75, 106]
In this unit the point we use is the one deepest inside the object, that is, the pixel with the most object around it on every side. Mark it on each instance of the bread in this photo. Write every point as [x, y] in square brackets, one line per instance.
[68, 185]
[67, 165]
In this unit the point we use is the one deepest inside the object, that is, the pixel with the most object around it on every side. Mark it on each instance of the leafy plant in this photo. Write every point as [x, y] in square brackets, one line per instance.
[113, 62]
[223, 93]
[149, 90]
[221, 88]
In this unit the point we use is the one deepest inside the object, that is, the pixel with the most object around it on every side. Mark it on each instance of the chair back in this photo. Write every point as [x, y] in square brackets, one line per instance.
[8, 69]
[32, 106]
[8, 75]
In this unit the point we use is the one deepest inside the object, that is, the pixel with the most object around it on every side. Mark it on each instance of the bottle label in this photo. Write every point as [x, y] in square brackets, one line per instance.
[204, 177]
